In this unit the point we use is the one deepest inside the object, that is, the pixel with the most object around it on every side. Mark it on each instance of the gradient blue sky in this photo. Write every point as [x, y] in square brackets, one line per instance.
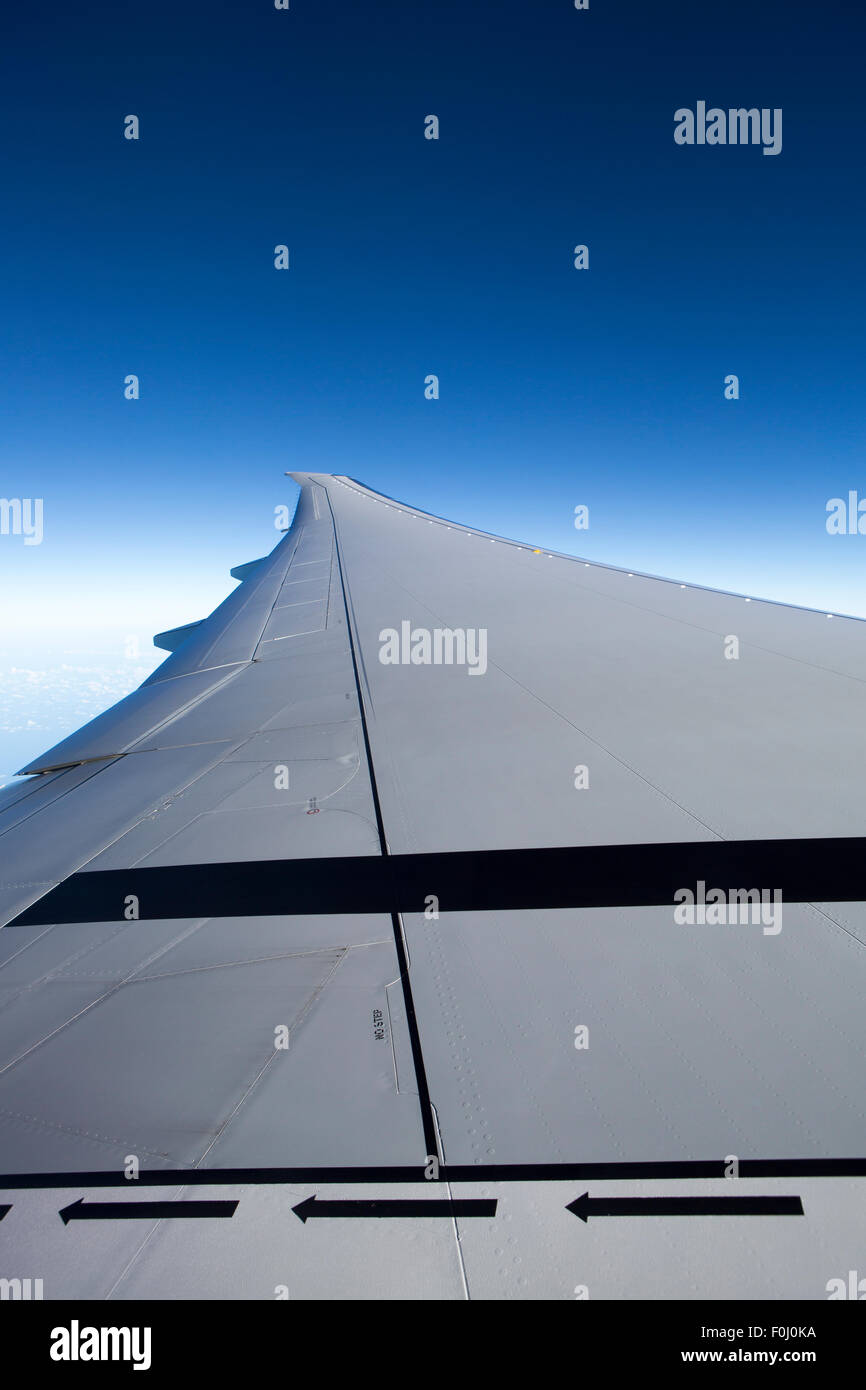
[408, 257]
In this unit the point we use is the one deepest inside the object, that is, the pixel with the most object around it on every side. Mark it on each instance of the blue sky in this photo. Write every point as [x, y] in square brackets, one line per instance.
[409, 257]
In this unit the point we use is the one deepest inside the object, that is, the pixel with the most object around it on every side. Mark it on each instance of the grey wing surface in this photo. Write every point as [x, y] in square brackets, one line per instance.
[387, 699]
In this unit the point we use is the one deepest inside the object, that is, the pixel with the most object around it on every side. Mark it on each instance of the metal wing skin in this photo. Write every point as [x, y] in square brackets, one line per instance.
[245, 745]
[371, 889]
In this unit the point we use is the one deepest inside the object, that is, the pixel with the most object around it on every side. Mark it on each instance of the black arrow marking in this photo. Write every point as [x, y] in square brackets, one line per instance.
[4, 1210]
[587, 1206]
[137, 1211]
[460, 1206]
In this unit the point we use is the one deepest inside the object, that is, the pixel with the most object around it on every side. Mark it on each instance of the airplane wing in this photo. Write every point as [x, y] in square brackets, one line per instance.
[381, 884]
